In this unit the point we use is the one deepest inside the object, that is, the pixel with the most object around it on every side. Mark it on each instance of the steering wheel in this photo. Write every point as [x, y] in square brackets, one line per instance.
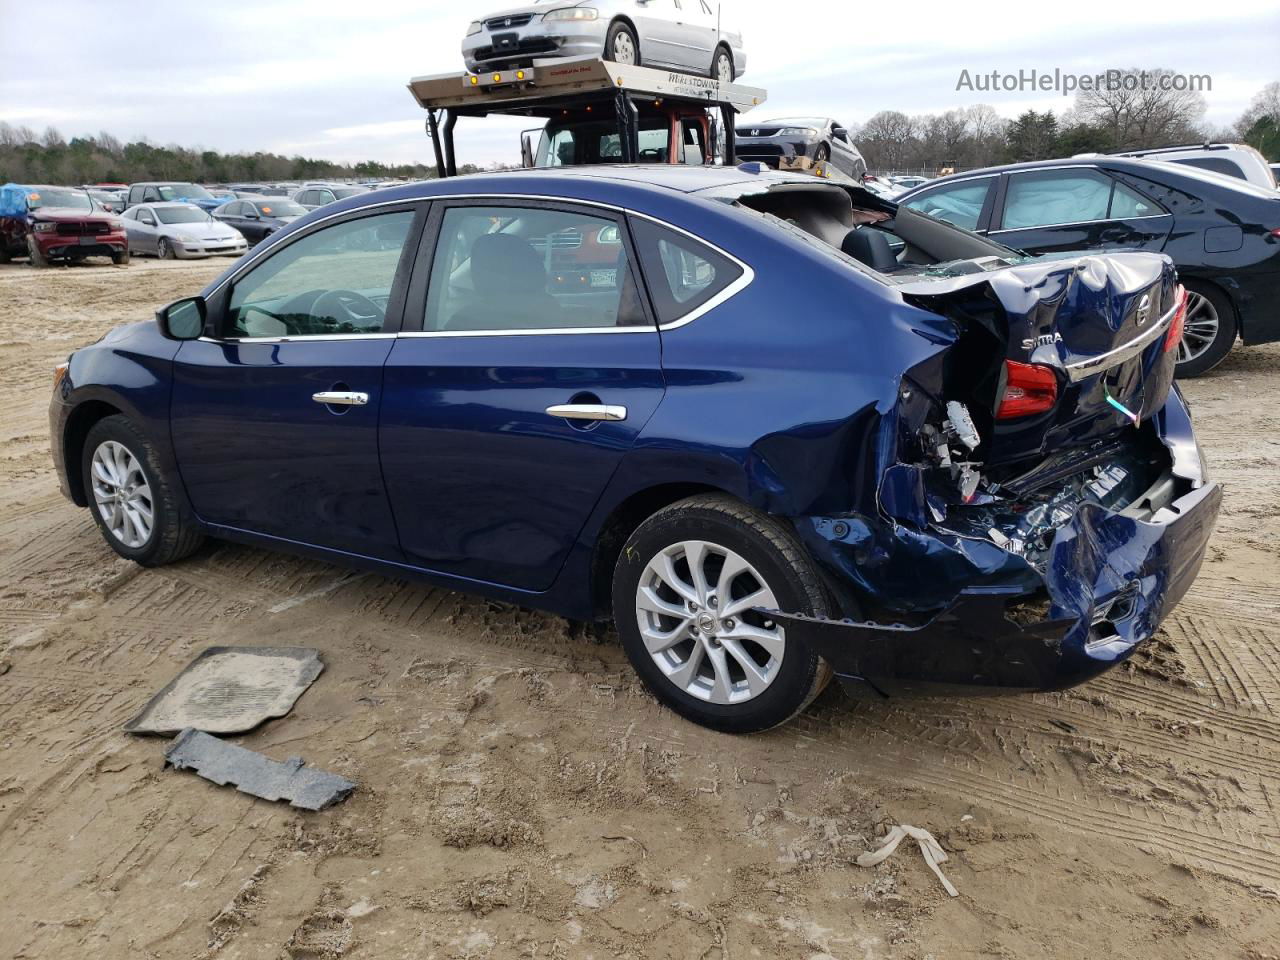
[349, 311]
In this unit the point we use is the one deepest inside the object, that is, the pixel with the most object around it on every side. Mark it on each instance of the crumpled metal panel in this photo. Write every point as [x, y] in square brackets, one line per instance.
[224, 763]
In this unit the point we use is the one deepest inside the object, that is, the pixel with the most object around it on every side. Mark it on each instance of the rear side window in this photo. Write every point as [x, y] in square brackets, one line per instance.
[683, 273]
[1126, 203]
[956, 203]
[1216, 164]
[1052, 197]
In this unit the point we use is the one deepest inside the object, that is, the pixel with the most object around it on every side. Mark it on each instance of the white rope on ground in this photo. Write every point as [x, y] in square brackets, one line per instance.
[930, 849]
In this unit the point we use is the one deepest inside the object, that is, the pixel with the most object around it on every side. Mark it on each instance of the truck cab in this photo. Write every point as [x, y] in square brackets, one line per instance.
[667, 133]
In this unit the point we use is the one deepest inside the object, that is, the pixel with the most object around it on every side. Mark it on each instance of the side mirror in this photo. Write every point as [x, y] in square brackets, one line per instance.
[183, 319]
[252, 215]
[840, 133]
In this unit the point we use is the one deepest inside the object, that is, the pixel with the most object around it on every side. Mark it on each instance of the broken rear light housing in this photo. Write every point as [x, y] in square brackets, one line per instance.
[1174, 335]
[1029, 388]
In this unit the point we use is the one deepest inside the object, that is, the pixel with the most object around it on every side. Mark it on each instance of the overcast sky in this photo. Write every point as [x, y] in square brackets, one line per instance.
[328, 79]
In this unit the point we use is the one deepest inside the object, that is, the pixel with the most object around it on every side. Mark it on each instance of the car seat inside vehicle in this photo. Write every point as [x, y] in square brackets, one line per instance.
[870, 246]
[510, 282]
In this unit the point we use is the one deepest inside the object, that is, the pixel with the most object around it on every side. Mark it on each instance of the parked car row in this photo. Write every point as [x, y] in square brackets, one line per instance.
[1222, 232]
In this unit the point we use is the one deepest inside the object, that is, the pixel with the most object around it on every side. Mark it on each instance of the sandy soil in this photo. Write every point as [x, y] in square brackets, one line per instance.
[521, 796]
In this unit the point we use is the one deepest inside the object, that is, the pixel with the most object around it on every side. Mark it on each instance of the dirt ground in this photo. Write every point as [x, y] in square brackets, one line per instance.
[521, 796]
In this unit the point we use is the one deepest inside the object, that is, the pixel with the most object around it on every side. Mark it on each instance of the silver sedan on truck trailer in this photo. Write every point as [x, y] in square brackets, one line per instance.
[685, 35]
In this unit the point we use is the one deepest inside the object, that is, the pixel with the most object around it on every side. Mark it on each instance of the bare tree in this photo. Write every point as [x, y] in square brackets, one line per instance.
[887, 138]
[1143, 108]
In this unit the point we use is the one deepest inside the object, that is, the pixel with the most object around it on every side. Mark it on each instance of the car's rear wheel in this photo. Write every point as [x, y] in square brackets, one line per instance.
[1208, 332]
[134, 504]
[722, 65]
[684, 596]
[35, 255]
[621, 45]
[164, 249]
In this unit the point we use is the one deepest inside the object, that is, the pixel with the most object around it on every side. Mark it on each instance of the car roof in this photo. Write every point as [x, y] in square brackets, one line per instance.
[170, 203]
[1139, 166]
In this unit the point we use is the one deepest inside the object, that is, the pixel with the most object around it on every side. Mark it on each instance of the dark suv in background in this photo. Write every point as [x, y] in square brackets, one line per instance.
[1222, 233]
[167, 191]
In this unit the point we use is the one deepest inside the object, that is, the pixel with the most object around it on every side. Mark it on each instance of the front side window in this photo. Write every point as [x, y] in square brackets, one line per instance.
[683, 274]
[1050, 197]
[525, 268]
[335, 281]
[956, 203]
[146, 217]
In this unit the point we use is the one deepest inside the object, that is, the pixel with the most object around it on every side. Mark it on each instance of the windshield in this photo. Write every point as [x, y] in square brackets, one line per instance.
[793, 122]
[58, 197]
[341, 192]
[183, 191]
[180, 214]
[280, 208]
[598, 142]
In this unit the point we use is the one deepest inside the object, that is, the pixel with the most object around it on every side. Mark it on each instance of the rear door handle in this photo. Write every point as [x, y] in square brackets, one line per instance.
[341, 398]
[588, 411]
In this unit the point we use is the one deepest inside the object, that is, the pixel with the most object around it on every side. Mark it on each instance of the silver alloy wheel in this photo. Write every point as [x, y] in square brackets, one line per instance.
[624, 50]
[694, 608]
[724, 68]
[1199, 327]
[123, 496]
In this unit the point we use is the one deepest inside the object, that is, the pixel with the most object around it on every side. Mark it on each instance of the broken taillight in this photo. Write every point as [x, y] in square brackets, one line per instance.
[1029, 389]
[1174, 334]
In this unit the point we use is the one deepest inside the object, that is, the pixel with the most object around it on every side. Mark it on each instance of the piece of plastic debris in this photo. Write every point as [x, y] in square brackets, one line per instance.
[224, 763]
[230, 690]
[930, 849]
[962, 423]
[967, 816]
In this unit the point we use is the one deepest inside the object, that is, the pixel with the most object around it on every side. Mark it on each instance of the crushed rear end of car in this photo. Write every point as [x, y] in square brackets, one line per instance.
[1041, 504]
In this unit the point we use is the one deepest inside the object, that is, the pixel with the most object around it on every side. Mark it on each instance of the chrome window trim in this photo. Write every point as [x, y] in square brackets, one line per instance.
[1126, 351]
[1080, 223]
[737, 286]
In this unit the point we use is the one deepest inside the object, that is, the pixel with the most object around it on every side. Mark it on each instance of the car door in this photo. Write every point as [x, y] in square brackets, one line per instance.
[528, 365]
[662, 36]
[275, 415]
[842, 153]
[143, 231]
[1076, 208]
[231, 215]
[966, 202]
[251, 222]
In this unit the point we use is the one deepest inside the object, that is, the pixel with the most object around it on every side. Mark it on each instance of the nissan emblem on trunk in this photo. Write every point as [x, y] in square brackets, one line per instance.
[1144, 309]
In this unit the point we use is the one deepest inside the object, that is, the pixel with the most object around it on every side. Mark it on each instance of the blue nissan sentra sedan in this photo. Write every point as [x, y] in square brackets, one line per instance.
[774, 426]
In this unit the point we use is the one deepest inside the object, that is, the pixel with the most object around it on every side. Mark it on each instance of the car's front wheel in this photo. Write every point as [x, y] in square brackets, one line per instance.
[132, 501]
[164, 249]
[685, 596]
[621, 45]
[120, 257]
[35, 254]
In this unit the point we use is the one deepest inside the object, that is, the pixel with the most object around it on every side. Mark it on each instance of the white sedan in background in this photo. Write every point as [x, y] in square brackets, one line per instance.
[169, 230]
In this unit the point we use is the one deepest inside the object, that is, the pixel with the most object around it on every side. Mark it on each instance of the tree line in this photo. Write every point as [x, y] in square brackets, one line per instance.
[29, 157]
[1100, 121]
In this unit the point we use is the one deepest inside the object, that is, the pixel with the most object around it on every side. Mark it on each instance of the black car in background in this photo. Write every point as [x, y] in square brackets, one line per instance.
[796, 143]
[259, 217]
[1222, 233]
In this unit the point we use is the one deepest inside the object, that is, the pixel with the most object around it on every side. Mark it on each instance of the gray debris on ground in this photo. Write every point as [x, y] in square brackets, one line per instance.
[230, 690]
[224, 763]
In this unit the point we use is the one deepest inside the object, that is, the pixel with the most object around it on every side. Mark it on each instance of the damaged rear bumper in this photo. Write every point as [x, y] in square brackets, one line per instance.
[1107, 582]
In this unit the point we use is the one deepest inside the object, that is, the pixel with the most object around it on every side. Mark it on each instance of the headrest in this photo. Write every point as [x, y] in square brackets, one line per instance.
[503, 263]
[870, 246]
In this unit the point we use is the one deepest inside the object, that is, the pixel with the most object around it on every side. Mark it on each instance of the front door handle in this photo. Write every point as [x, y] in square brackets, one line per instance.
[341, 398]
[588, 411]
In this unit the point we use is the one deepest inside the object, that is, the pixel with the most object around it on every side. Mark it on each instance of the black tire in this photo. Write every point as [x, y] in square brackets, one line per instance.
[611, 38]
[1223, 340]
[822, 154]
[164, 249]
[120, 258]
[5, 255]
[722, 54]
[174, 531]
[770, 548]
[37, 258]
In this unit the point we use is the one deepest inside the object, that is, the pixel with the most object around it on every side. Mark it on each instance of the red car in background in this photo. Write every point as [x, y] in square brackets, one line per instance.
[45, 223]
